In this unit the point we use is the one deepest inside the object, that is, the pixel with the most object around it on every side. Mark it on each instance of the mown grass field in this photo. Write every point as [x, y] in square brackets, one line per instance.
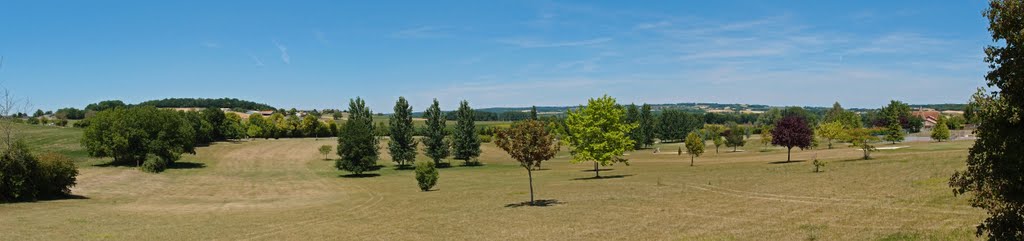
[284, 190]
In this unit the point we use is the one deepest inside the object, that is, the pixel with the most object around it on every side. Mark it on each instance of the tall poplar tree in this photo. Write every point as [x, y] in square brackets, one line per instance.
[402, 146]
[465, 142]
[436, 146]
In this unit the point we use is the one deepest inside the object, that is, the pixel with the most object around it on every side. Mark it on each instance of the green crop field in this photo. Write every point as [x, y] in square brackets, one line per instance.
[284, 190]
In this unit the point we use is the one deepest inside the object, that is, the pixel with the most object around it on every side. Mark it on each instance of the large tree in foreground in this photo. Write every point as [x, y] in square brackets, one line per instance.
[792, 131]
[995, 163]
[434, 133]
[402, 146]
[357, 146]
[598, 133]
[530, 143]
[465, 142]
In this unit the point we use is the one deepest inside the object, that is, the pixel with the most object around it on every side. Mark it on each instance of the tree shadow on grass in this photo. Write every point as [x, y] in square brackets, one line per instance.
[601, 169]
[472, 164]
[404, 167]
[443, 165]
[787, 162]
[186, 165]
[362, 175]
[63, 197]
[602, 177]
[855, 160]
[175, 165]
[536, 203]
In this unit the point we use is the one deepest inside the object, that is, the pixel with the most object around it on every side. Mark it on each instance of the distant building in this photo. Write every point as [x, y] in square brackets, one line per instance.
[930, 116]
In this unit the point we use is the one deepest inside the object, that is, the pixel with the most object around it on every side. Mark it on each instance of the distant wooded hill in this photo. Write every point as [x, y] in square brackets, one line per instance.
[208, 103]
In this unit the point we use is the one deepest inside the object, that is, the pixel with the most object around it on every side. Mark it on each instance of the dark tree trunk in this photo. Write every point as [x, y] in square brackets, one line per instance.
[530, 174]
[789, 154]
[597, 172]
[691, 160]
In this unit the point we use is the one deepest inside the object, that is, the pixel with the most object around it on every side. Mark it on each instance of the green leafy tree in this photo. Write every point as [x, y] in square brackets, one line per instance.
[357, 146]
[530, 143]
[216, 118]
[694, 146]
[995, 164]
[766, 135]
[293, 126]
[893, 131]
[278, 126]
[596, 132]
[402, 146]
[533, 113]
[255, 126]
[326, 150]
[131, 134]
[941, 131]
[673, 125]
[633, 117]
[38, 113]
[310, 126]
[437, 148]
[646, 125]
[831, 130]
[232, 128]
[465, 141]
[426, 175]
[734, 138]
[861, 138]
[717, 140]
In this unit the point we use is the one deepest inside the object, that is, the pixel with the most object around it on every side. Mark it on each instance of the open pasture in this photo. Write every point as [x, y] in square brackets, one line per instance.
[284, 190]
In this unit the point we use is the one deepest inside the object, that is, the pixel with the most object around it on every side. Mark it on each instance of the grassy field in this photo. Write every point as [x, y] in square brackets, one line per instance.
[282, 189]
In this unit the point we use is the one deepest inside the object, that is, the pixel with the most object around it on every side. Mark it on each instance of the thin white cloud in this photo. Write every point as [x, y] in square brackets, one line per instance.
[899, 43]
[256, 59]
[537, 43]
[423, 32]
[284, 52]
[653, 25]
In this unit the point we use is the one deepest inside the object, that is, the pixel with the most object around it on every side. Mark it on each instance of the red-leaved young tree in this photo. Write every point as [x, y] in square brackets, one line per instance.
[529, 143]
[792, 131]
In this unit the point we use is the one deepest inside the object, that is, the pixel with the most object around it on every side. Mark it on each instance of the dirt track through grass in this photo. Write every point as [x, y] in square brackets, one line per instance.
[281, 189]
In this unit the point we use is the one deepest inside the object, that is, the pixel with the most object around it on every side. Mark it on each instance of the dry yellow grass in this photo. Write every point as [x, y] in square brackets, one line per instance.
[282, 190]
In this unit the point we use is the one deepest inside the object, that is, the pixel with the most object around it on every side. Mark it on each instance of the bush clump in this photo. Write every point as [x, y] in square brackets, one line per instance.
[426, 175]
[154, 164]
[24, 177]
[57, 175]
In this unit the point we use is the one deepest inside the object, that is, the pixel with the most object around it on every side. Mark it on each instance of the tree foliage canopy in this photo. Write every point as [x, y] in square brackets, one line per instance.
[130, 134]
[995, 164]
[465, 141]
[792, 131]
[357, 146]
[402, 146]
[598, 133]
[437, 148]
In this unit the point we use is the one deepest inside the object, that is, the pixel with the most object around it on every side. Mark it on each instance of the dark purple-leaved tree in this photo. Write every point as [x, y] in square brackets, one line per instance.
[792, 131]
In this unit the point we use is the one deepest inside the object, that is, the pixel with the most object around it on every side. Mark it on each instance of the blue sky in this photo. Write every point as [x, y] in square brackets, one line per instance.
[318, 54]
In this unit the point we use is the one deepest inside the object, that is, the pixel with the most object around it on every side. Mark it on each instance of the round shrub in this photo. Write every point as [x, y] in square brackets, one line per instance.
[56, 174]
[426, 175]
[154, 164]
[18, 174]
